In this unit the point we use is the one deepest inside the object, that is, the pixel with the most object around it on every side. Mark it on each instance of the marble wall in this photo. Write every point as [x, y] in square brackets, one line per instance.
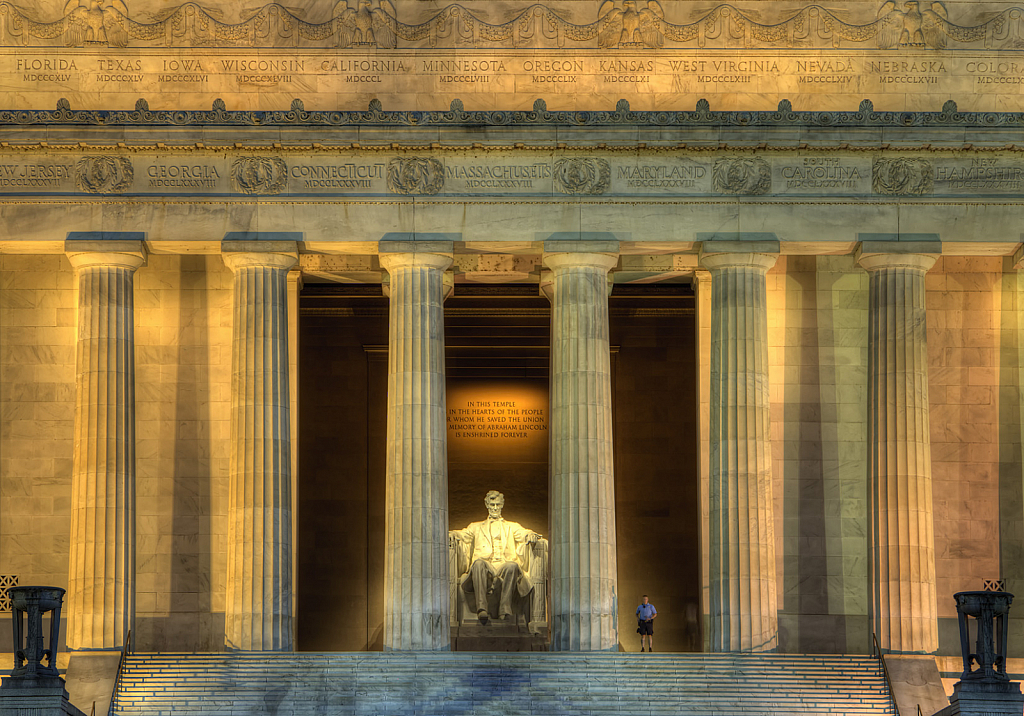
[183, 361]
[818, 361]
[973, 306]
[37, 402]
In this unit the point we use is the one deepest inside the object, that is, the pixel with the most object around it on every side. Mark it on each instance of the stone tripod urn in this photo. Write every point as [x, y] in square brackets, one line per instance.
[35, 687]
[984, 688]
[29, 651]
[989, 609]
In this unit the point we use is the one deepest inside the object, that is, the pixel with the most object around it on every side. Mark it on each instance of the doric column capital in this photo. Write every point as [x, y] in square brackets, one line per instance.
[878, 262]
[878, 255]
[395, 255]
[106, 254]
[259, 254]
[582, 259]
[392, 262]
[737, 259]
[589, 253]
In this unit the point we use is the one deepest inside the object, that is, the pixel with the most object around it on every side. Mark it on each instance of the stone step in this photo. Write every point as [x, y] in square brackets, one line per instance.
[224, 684]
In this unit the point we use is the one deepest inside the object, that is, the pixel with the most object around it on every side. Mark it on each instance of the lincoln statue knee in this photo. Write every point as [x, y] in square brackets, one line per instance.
[496, 547]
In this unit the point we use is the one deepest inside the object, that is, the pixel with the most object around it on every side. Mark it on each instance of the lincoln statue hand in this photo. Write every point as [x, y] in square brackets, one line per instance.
[496, 558]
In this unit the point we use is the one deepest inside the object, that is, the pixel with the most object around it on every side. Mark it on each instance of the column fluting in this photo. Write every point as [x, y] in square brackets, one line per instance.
[584, 597]
[416, 492]
[259, 559]
[101, 594]
[742, 571]
[902, 538]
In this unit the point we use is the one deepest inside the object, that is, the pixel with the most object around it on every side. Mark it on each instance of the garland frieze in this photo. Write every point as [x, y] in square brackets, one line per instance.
[456, 115]
[613, 24]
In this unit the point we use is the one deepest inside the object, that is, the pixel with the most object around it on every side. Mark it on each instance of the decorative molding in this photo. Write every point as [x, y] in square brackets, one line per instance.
[6, 582]
[415, 176]
[259, 175]
[582, 176]
[623, 24]
[456, 115]
[742, 175]
[902, 176]
[103, 174]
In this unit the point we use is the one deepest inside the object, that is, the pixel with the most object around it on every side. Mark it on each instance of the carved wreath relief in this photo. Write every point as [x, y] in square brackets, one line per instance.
[259, 175]
[616, 24]
[741, 175]
[415, 175]
[103, 174]
[902, 176]
[582, 175]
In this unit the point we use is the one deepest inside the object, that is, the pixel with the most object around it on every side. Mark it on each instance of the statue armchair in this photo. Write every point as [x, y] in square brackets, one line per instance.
[529, 609]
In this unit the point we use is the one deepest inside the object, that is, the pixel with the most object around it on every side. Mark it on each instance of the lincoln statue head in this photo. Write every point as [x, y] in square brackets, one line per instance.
[494, 501]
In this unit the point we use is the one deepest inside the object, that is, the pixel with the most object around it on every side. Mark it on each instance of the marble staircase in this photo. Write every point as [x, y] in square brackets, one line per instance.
[432, 684]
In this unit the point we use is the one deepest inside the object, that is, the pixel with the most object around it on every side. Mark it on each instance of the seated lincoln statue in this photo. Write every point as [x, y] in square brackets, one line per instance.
[496, 556]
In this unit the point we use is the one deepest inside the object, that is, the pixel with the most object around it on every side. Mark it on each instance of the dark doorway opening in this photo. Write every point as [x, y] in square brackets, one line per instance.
[497, 344]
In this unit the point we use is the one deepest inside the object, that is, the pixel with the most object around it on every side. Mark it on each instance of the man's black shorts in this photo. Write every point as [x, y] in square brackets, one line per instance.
[646, 628]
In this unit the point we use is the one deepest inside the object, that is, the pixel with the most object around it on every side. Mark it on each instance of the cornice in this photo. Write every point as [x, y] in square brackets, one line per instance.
[457, 116]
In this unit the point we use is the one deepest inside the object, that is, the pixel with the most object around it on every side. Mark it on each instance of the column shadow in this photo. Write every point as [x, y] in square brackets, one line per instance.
[804, 597]
[191, 539]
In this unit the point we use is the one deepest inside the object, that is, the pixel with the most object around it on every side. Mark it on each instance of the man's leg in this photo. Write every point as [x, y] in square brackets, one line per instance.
[480, 574]
[508, 573]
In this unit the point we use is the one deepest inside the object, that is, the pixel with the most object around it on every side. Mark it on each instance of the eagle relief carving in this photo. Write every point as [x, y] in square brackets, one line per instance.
[364, 25]
[95, 22]
[629, 27]
[911, 26]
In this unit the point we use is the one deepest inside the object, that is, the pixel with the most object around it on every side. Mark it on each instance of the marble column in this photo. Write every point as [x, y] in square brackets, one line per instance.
[584, 597]
[742, 571]
[101, 591]
[416, 491]
[259, 555]
[901, 539]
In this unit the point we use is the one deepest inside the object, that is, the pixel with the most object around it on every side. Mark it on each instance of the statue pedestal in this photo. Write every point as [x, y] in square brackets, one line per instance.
[45, 696]
[496, 636]
[984, 703]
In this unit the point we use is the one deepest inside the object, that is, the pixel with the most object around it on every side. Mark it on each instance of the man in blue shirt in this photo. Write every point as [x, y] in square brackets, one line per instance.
[645, 616]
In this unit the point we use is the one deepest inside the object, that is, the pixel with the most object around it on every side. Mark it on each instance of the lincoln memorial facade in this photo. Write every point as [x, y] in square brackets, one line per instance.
[728, 302]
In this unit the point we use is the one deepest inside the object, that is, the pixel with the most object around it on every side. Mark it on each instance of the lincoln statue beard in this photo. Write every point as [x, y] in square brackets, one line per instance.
[496, 546]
